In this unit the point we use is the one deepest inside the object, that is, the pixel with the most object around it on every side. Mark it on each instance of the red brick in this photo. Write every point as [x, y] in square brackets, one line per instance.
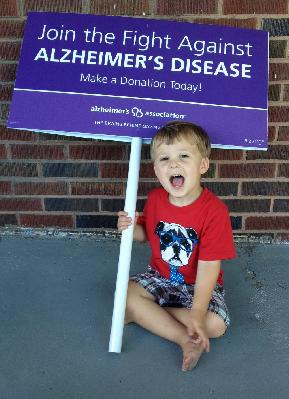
[278, 71]
[114, 170]
[283, 170]
[283, 237]
[3, 154]
[8, 219]
[16, 135]
[220, 154]
[283, 133]
[281, 205]
[8, 72]
[274, 92]
[252, 170]
[267, 223]
[97, 151]
[121, 7]
[112, 205]
[106, 188]
[5, 187]
[286, 93]
[222, 189]
[34, 151]
[248, 205]
[120, 170]
[11, 29]
[147, 171]
[145, 187]
[10, 51]
[71, 204]
[8, 8]
[41, 188]
[277, 48]
[145, 152]
[255, 7]
[248, 23]
[278, 114]
[70, 169]
[60, 137]
[18, 205]
[53, 5]
[271, 133]
[64, 221]
[18, 169]
[273, 152]
[6, 90]
[181, 7]
[265, 188]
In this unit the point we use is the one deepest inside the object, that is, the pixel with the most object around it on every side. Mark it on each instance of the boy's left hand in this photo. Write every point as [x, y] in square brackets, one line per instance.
[197, 330]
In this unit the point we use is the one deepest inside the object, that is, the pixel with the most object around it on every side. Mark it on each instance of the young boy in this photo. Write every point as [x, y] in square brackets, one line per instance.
[181, 296]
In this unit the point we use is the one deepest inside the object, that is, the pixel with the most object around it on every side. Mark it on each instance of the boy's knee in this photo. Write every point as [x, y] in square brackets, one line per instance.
[132, 294]
[136, 290]
[135, 296]
[216, 326]
[128, 311]
[131, 302]
[132, 290]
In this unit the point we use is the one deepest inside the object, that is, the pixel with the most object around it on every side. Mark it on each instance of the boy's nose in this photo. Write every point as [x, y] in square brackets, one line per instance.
[173, 163]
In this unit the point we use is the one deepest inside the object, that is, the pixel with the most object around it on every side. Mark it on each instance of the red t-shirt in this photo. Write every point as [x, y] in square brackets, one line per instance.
[180, 236]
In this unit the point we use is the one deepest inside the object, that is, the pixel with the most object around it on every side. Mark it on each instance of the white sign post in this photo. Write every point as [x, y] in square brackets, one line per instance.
[125, 249]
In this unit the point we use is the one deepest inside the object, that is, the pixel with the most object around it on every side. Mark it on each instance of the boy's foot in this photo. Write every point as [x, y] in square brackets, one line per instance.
[192, 353]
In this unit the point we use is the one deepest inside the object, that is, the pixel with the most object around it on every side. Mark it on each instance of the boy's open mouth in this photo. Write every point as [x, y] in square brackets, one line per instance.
[177, 181]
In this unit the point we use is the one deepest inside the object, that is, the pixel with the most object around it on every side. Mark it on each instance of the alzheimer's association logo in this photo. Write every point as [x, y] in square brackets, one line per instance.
[137, 112]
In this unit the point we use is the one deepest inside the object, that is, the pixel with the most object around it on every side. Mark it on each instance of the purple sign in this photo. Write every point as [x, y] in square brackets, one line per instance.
[117, 77]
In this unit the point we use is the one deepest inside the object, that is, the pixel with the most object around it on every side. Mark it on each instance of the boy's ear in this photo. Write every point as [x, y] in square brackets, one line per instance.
[205, 163]
[154, 165]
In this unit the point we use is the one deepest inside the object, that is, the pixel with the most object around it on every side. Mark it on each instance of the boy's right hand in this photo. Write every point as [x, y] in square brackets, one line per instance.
[124, 221]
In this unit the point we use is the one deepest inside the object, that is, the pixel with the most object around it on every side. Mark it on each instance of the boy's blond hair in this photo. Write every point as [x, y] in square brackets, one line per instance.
[175, 131]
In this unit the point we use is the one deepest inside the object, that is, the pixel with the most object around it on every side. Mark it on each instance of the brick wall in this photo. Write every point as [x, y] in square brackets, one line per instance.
[54, 181]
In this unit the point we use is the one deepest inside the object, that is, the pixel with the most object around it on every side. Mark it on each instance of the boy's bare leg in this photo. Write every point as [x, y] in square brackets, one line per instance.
[215, 326]
[143, 310]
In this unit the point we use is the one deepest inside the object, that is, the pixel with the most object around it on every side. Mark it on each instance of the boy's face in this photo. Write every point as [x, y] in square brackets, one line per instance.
[179, 167]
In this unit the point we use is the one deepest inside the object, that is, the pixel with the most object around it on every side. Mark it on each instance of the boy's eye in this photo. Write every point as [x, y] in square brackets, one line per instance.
[184, 156]
[164, 158]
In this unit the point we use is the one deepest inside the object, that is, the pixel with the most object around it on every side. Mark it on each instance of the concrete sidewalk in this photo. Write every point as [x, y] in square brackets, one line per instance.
[56, 299]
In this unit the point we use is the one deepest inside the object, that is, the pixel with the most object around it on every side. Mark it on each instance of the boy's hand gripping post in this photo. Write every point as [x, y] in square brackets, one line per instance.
[125, 249]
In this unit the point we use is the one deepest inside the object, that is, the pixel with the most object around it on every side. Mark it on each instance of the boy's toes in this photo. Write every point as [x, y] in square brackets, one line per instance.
[191, 357]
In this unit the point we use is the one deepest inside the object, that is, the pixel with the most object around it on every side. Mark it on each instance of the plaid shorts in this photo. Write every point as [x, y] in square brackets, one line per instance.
[180, 296]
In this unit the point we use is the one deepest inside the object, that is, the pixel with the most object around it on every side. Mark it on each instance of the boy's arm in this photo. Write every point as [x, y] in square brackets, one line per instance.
[207, 275]
[139, 233]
